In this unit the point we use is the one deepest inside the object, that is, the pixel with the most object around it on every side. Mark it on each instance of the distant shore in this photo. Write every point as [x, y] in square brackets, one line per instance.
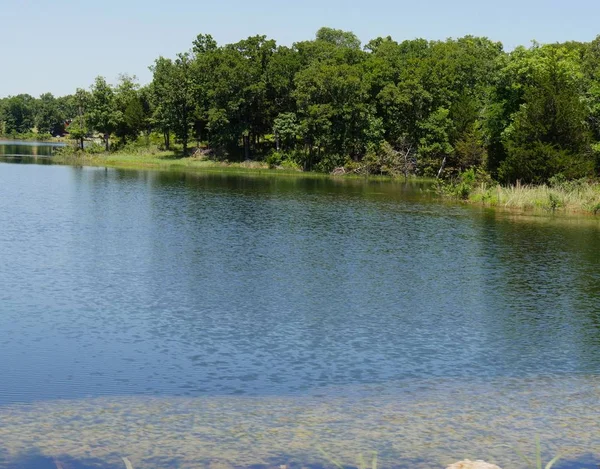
[574, 197]
[33, 137]
[170, 160]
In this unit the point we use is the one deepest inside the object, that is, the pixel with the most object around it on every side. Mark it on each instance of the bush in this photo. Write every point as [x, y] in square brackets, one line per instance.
[278, 159]
[67, 150]
[561, 182]
[554, 201]
[465, 184]
[274, 159]
[328, 163]
[94, 148]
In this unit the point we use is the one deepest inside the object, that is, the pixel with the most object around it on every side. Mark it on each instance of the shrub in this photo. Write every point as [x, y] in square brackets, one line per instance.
[274, 159]
[465, 184]
[329, 162]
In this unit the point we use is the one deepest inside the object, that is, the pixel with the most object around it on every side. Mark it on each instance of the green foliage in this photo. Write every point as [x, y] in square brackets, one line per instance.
[338, 38]
[277, 159]
[328, 162]
[18, 114]
[436, 108]
[50, 116]
[467, 181]
[434, 145]
[78, 128]
[537, 463]
[103, 113]
[386, 160]
[286, 129]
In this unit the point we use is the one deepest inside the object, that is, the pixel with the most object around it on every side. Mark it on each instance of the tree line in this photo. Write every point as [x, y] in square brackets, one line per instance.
[433, 108]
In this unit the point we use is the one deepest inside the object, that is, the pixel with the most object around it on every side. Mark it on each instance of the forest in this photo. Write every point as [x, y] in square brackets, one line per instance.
[418, 107]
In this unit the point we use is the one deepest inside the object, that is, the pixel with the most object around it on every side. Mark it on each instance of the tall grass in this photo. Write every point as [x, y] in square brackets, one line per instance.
[537, 464]
[575, 196]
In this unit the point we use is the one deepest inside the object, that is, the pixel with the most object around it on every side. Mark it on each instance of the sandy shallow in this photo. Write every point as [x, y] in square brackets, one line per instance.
[423, 423]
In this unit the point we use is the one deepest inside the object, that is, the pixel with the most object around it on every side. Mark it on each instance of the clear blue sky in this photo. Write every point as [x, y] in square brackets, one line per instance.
[59, 45]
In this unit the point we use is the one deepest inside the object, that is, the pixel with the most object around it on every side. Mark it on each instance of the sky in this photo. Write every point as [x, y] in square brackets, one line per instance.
[59, 45]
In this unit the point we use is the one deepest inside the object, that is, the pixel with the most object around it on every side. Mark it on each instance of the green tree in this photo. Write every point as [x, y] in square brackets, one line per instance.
[434, 145]
[286, 130]
[173, 95]
[130, 107]
[334, 109]
[18, 114]
[549, 134]
[49, 118]
[339, 38]
[78, 128]
[103, 114]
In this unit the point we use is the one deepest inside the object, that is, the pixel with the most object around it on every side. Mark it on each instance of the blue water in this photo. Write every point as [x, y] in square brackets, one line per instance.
[134, 285]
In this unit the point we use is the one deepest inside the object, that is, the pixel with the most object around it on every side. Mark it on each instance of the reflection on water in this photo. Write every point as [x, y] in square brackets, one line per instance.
[18, 149]
[186, 319]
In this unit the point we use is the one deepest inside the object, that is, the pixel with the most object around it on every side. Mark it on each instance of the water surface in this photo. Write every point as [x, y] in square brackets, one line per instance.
[183, 319]
[19, 148]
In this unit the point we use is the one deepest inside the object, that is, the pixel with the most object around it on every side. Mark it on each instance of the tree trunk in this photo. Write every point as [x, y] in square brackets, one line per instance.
[106, 144]
[81, 142]
[442, 167]
[167, 138]
[246, 147]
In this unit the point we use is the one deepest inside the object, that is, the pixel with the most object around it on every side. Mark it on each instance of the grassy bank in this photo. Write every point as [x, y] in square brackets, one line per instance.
[569, 197]
[164, 160]
[579, 196]
[153, 158]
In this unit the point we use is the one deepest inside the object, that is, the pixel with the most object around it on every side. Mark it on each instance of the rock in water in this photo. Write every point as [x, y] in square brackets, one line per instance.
[467, 464]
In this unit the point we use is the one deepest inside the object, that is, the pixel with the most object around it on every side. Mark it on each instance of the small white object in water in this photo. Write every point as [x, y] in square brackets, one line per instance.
[468, 464]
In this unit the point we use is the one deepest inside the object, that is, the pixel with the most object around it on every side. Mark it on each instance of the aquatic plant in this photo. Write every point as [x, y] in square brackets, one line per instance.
[538, 457]
[362, 464]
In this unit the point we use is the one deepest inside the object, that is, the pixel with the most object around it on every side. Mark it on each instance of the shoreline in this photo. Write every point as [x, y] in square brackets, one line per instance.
[169, 161]
[569, 198]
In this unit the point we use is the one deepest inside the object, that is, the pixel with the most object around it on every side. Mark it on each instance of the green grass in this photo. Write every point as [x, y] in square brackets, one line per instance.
[153, 158]
[576, 197]
[537, 463]
[167, 160]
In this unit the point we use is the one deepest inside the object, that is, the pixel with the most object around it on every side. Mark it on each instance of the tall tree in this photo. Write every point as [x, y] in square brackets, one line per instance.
[173, 93]
[18, 114]
[49, 118]
[78, 128]
[549, 134]
[104, 116]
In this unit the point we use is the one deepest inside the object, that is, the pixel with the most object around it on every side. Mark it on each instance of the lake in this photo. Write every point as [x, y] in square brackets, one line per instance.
[214, 320]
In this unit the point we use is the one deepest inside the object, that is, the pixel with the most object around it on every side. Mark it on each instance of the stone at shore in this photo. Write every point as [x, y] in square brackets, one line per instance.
[468, 464]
